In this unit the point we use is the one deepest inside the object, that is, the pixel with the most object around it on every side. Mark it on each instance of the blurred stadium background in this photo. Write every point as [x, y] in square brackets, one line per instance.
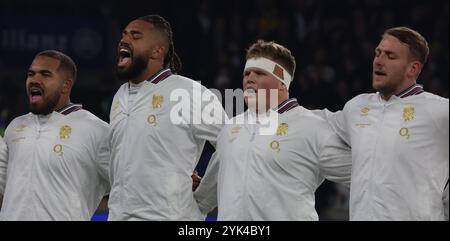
[333, 42]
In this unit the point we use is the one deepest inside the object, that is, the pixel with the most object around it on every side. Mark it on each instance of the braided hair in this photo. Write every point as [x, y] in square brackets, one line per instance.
[171, 59]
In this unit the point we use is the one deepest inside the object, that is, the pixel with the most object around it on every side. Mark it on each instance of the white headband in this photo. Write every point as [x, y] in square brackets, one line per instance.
[270, 66]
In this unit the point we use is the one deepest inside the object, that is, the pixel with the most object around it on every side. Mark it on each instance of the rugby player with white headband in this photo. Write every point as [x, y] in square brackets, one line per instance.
[273, 92]
[253, 176]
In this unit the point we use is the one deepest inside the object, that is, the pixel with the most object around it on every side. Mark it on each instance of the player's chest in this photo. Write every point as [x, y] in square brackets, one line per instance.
[49, 145]
[147, 108]
[395, 122]
[246, 143]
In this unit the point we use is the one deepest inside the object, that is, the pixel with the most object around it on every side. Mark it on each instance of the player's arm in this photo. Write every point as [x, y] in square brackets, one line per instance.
[213, 117]
[335, 159]
[103, 155]
[206, 193]
[337, 121]
[3, 165]
[445, 201]
[439, 113]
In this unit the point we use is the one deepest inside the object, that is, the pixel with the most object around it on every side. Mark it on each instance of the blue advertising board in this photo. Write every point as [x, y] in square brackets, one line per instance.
[84, 39]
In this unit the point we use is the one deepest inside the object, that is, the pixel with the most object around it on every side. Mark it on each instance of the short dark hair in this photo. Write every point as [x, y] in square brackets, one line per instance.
[171, 58]
[418, 45]
[66, 63]
[275, 52]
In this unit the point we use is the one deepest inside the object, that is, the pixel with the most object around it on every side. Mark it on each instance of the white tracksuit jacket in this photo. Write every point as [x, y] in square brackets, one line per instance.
[253, 176]
[3, 165]
[153, 156]
[400, 155]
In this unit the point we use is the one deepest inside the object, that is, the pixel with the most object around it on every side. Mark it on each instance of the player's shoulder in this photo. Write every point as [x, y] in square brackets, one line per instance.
[363, 98]
[179, 80]
[122, 89]
[19, 123]
[21, 120]
[238, 119]
[87, 119]
[357, 102]
[25, 117]
[436, 106]
[301, 113]
[430, 98]
[305, 117]
[184, 82]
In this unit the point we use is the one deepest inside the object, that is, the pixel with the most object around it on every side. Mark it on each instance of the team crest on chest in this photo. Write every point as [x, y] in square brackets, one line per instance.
[64, 132]
[282, 129]
[157, 101]
[408, 113]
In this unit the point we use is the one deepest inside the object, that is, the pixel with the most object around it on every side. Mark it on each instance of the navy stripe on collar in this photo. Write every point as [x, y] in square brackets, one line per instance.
[69, 108]
[415, 89]
[286, 105]
[160, 76]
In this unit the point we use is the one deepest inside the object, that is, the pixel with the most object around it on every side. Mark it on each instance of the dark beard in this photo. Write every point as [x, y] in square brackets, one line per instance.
[48, 106]
[138, 65]
[385, 89]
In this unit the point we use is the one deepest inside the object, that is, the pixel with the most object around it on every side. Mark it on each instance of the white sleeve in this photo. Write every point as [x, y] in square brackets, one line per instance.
[206, 193]
[323, 113]
[335, 160]
[103, 156]
[213, 117]
[337, 121]
[445, 202]
[440, 113]
[3, 164]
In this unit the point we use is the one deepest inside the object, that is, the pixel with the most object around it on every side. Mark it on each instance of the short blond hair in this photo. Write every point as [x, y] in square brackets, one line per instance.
[273, 51]
[417, 44]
